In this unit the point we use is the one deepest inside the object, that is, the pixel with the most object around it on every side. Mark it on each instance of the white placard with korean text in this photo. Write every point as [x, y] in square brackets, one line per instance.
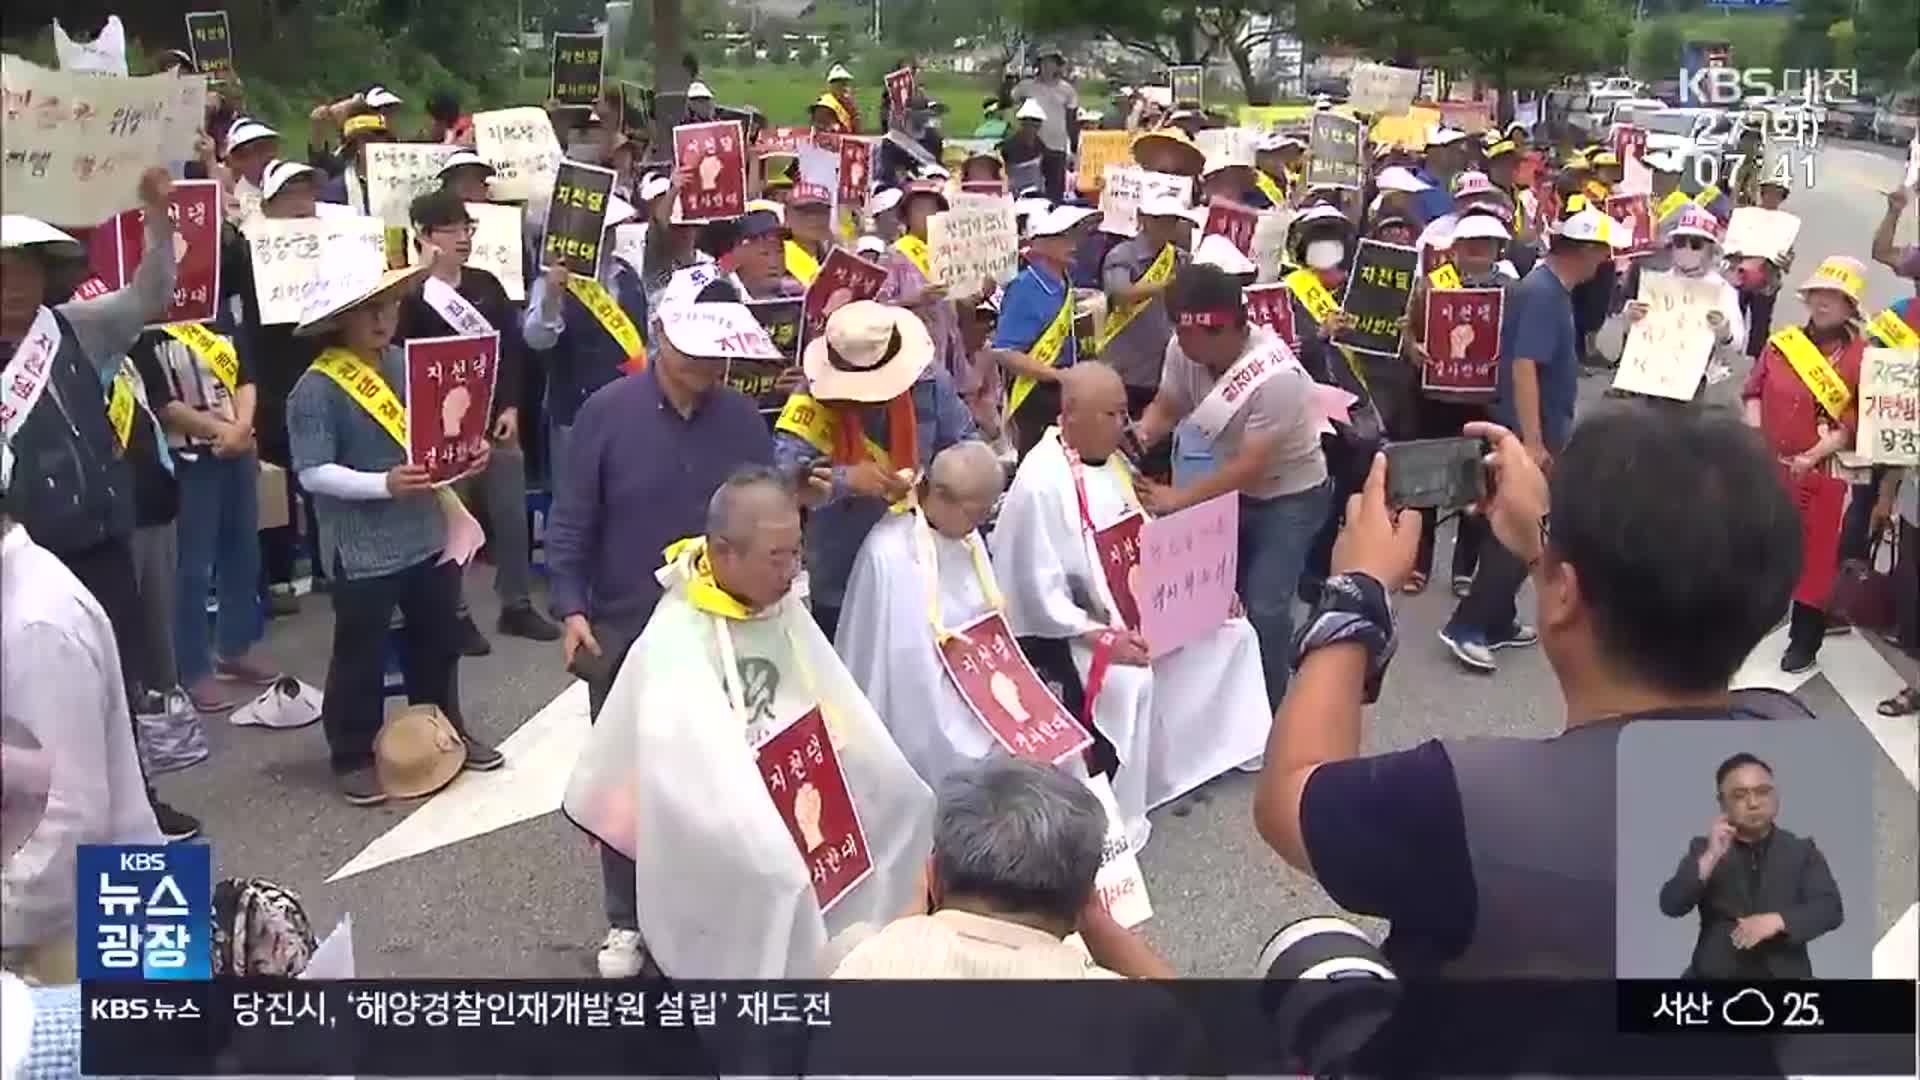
[76, 143]
[1761, 233]
[1668, 349]
[973, 241]
[1120, 885]
[398, 173]
[293, 256]
[1233, 145]
[498, 246]
[1127, 187]
[1382, 90]
[521, 146]
[1890, 407]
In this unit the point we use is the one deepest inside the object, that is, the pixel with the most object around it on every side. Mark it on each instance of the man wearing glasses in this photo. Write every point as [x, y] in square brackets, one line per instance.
[457, 299]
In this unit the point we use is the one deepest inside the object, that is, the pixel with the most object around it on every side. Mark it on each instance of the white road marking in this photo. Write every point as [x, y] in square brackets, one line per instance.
[540, 757]
[1898, 954]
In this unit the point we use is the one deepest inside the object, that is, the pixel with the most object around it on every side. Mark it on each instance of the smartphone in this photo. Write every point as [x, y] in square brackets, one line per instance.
[1436, 474]
[801, 470]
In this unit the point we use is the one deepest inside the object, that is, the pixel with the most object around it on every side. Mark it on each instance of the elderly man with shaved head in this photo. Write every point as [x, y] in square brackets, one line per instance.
[1066, 549]
[925, 634]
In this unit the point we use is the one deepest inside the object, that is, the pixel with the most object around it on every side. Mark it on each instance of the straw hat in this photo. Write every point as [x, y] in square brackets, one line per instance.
[871, 353]
[1196, 158]
[417, 752]
[342, 293]
[1839, 273]
[19, 231]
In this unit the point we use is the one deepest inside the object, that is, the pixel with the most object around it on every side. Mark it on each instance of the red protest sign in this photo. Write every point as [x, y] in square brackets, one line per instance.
[1118, 546]
[1233, 221]
[809, 791]
[1463, 340]
[844, 278]
[1271, 306]
[899, 92]
[782, 140]
[1629, 142]
[1633, 210]
[1001, 689]
[114, 251]
[856, 171]
[716, 153]
[450, 402]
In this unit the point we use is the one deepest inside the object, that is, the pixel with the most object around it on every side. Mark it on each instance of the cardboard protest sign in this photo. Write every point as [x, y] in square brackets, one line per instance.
[1271, 306]
[1004, 693]
[1404, 132]
[1472, 117]
[1761, 234]
[1188, 560]
[1463, 340]
[1233, 221]
[195, 209]
[899, 92]
[1667, 350]
[1376, 297]
[1336, 152]
[1270, 242]
[76, 143]
[1635, 212]
[717, 154]
[1381, 90]
[290, 256]
[1889, 431]
[1232, 145]
[1099, 149]
[844, 278]
[1189, 84]
[450, 402]
[856, 171]
[578, 60]
[210, 41]
[819, 162]
[521, 146]
[1127, 186]
[972, 242]
[1119, 884]
[497, 246]
[576, 217]
[398, 173]
[803, 775]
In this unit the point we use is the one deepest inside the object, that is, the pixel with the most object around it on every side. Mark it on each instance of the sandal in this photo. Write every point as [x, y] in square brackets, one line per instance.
[1416, 584]
[1904, 703]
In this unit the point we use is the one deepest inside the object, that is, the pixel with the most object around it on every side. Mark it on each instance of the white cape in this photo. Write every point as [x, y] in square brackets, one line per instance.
[1194, 714]
[669, 777]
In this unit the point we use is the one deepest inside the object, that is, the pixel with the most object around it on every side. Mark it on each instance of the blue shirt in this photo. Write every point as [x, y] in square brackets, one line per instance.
[639, 479]
[1538, 326]
[1029, 306]
[1435, 202]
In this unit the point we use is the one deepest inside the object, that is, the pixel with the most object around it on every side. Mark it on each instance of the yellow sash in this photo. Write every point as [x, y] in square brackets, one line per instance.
[801, 264]
[840, 112]
[1117, 319]
[1445, 277]
[1268, 188]
[215, 350]
[1821, 380]
[1597, 193]
[612, 318]
[1708, 195]
[120, 408]
[368, 388]
[814, 422]
[915, 249]
[1047, 350]
[1892, 329]
[1673, 202]
[1320, 304]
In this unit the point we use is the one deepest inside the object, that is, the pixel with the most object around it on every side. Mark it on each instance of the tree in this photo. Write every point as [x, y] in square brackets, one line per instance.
[1657, 48]
[1884, 46]
[669, 45]
[1807, 43]
[1174, 32]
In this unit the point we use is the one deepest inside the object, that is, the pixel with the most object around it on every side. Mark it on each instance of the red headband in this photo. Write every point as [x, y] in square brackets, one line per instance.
[1212, 320]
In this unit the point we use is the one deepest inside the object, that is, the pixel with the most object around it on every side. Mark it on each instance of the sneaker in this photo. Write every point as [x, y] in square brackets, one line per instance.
[482, 756]
[244, 670]
[523, 622]
[472, 641]
[1799, 660]
[1468, 648]
[1520, 636]
[361, 786]
[174, 824]
[1462, 584]
[1836, 626]
[621, 955]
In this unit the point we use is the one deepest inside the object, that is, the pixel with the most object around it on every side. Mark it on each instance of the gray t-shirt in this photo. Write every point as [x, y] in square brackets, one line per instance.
[1283, 404]
[1139, 351]
[1060, 100]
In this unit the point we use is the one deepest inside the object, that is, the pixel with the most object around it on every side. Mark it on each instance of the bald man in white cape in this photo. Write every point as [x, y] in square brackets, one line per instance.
[917, 621]
[1188, 716]
[713, 763]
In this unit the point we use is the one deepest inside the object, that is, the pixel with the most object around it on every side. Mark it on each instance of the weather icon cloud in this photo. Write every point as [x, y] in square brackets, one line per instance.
[1748, 1008]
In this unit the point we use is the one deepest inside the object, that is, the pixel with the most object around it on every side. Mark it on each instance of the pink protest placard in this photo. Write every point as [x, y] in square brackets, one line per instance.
[1188, 563]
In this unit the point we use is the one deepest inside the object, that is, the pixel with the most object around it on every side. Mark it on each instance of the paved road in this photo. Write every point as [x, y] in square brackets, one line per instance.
[523, 899]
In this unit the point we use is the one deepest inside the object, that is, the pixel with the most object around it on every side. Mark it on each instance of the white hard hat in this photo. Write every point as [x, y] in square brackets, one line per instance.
[280, 173]
[1030, 110]
[697, 91]
[1594, 227]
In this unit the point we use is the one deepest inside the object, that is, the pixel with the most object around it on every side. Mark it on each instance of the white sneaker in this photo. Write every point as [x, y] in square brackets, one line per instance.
[621, 955]
[1253, 765]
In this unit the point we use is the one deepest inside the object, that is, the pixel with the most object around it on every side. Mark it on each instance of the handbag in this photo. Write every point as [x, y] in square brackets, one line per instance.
[1863, 594]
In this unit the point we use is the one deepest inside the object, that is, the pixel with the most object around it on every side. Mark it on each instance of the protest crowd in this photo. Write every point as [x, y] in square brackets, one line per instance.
[920, 519]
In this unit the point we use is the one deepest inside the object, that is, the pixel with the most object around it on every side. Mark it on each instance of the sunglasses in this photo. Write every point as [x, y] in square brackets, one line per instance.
[1692, 242]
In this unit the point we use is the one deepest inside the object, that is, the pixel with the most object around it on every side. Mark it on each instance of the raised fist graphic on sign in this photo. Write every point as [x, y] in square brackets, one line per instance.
[709, 172]
[1461, 339]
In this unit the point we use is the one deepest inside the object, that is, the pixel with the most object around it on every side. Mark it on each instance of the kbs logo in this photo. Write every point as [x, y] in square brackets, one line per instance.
[1727, 85]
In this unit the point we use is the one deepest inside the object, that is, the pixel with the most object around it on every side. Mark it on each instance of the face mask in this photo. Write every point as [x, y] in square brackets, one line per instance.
[1690, 260]
[1325, 254]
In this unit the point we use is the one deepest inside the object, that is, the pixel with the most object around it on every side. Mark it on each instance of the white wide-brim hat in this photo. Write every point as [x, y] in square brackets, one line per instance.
[717, 331]
[1061, 219]
[1400, 178]
[281, 173]
[1479, 227]
[464, 159]
[19, 231]
[870, 353]
[345, 292]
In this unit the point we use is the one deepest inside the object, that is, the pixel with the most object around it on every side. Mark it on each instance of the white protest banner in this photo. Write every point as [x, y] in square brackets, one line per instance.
[398, 173]
[497, 246]
[1668, 349]
[1270, 242]
[1120, 885]
[1127, 187]
[521, 146]
[293, 256]
[76, 143]
[973, 241]
[1233, 145]
[1382, 90]
[1890, 407]
[1761, 234]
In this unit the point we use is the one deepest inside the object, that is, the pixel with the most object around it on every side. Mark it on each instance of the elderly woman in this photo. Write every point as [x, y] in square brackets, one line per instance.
[1016, 845]
[1693, 254]
[910, 282]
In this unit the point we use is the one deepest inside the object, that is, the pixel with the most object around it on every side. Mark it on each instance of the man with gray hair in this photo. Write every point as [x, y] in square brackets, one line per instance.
[1016, 845]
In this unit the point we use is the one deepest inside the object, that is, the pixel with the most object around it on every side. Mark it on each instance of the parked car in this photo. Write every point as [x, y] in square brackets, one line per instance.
[1590, 123]
[1896, 120]
[1851, 120]
[1684, 130]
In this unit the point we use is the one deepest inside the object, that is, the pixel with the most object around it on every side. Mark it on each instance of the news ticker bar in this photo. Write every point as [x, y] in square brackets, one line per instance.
[1094, 1027]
